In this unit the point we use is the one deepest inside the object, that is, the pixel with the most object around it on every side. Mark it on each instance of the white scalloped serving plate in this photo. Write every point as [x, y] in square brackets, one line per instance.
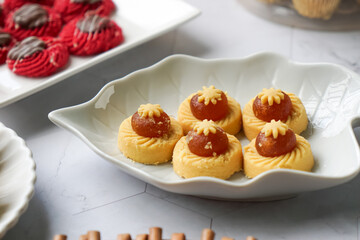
[330, 93]
[17, 178]
[140, 20]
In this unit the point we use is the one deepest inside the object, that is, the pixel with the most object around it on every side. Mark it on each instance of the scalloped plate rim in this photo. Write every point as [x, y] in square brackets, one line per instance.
[31, 188]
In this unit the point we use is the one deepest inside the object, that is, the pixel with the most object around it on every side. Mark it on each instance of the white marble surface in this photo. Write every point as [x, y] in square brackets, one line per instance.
[76, 190]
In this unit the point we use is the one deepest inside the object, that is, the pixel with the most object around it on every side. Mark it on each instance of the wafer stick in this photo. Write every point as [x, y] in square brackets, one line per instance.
[227, 238]
[142, 237]
[60, 237]
[207, 234]
[178, 236]
[124, 236]
[93, 235]
[155, 233]
[250, 238]
[83, 237]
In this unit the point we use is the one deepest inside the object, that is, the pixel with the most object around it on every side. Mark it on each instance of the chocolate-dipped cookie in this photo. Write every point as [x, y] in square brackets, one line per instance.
[37, 57]
[33, 20]
[91, 34]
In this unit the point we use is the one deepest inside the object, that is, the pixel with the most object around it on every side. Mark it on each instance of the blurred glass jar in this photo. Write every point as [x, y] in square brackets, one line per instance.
[309, 14]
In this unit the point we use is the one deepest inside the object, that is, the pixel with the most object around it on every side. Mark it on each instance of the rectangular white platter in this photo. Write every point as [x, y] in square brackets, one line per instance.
[141, 21]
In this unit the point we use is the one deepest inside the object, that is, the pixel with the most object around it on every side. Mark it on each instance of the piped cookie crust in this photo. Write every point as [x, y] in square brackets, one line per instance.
[231, 123]
[297, 120]
[148, 150]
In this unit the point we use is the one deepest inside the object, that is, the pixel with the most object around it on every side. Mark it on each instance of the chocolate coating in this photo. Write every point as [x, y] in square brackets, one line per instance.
[30, 16]
[5, 39]
[92, 23]
[86, 1]
[26, 48]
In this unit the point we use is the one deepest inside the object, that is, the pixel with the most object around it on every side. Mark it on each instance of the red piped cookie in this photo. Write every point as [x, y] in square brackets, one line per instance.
[71, 9]
[37, 57]
[6, 42]
[91, 34]
[33, 20]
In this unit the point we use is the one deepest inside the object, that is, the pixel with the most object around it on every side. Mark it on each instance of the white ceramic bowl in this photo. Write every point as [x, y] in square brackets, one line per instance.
[330, 93]
[17, 178]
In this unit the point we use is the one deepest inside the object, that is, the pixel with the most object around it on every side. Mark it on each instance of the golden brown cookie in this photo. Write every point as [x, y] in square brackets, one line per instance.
[299, 158]
[188, 164]
[231, 123]
[297, 120]
[147, 149]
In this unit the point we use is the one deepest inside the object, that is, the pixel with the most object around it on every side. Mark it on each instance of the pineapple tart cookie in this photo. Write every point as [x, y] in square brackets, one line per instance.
[33, 20]
[211, 104]
[207, 150]
[273, 104]
[149, 136]
[277, 146]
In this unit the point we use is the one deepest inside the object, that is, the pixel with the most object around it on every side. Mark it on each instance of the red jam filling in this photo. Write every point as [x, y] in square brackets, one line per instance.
[151, 126]
[273, 147]
[275, 111]
[211, 145]
[211, 111]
